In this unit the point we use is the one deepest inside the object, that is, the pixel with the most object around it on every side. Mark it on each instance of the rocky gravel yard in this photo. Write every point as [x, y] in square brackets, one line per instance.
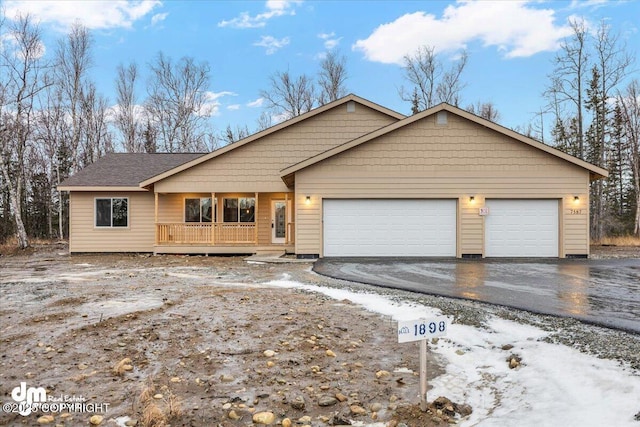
[206, 341]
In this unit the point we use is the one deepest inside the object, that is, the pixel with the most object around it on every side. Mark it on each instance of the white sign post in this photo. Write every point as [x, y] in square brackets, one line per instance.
[421, 330]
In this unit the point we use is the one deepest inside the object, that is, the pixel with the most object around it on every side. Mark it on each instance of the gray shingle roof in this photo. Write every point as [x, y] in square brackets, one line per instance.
[126, 169]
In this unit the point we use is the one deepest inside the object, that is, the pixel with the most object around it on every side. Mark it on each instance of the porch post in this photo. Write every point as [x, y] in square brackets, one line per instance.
[214, 215]
[156, 216]
[255, 220]
[286, 218]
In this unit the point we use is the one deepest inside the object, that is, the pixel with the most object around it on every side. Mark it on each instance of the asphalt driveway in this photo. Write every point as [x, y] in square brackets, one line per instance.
[602, 292]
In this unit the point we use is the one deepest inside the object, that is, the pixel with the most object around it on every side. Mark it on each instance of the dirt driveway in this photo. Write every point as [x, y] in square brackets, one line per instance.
[195, 341]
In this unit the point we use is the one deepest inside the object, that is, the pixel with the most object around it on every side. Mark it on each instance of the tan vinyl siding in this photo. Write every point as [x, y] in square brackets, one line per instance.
[139, 236]
[425, 160]
[256, 166]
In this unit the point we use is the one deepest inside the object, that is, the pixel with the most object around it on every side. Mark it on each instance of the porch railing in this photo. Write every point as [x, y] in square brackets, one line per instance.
[207, 233]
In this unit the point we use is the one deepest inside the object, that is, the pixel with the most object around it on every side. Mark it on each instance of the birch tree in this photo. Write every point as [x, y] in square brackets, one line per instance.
[23, 69]
[289, 96]
[628, 102]
[127, 118]
[177, 103]
[73, 62]
[332, 77]
[568, 82]
[430, 82]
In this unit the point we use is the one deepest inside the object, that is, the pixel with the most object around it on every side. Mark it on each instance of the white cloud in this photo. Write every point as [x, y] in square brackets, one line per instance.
[139, 112]
[330, 40]
[233, 107]
[274, 8]
[92, 14]
[272, 44]
[256, 104]
[514, 28]
[579, 4]
[158, 17]
[212, 103]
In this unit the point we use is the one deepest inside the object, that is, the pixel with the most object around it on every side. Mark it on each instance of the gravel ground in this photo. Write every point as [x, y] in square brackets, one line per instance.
[595, 340]
[201, 341]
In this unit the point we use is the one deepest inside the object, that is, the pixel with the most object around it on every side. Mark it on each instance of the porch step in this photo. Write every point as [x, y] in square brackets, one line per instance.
[275, 253]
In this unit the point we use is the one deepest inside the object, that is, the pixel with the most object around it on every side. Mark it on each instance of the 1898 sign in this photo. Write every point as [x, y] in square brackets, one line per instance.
[415, 330]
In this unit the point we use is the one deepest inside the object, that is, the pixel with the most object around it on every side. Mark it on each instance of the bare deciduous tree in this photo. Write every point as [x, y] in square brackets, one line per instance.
[288, 96]
[568, 80]
[629, 106]
[96, 139]
[430, 82]
[486, 110]
[177, 103]
[230, 135]
[264, 121]
[52, 129]
[610, 67]
[72, 64]
[23, 69]
[332, 77]
[126, 116]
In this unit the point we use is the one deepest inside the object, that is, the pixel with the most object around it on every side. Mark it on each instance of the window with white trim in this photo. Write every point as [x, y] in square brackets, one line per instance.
[199, 209]
[112, 212]
[240, 209]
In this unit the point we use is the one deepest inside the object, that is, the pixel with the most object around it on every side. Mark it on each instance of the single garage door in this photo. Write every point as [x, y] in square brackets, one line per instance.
[521, 228]
[366, 227]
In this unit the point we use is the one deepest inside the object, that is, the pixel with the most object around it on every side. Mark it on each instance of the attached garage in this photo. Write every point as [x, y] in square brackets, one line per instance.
[446, 183]
[521, 228]
[389, 227]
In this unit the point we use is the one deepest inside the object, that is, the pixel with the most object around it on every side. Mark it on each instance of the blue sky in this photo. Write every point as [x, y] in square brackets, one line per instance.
[511, 44]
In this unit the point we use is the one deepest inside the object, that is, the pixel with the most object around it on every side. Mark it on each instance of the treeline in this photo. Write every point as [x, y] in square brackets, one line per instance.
[53, 121]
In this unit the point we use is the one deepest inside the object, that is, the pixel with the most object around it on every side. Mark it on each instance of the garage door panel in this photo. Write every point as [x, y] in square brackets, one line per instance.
[389, 227]
[521, 228]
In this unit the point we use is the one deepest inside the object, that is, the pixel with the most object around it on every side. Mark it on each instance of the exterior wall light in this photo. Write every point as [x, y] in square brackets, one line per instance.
[307, 201]
[576, 199]
[472, 199]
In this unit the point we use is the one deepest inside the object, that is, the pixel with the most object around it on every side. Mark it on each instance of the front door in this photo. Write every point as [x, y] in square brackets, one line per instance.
[278, 221]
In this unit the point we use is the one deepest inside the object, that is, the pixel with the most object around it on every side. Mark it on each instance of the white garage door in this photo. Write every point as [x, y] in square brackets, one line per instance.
[521, 228]
[389, 227]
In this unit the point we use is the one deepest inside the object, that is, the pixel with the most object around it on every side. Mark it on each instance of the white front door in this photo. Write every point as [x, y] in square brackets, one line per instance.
[278, 221]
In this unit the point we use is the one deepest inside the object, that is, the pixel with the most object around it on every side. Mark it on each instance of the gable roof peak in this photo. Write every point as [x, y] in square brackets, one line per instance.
[275, 128]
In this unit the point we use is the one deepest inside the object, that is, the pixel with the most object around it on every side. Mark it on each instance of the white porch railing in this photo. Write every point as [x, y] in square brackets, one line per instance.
[206, 233]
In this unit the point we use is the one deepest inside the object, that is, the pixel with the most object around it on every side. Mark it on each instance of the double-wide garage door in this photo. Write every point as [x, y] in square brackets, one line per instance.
[389, 227]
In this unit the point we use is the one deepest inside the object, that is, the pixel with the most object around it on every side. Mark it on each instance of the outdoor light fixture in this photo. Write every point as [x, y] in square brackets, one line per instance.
[308, 200]
[472, 199]
[576, 199]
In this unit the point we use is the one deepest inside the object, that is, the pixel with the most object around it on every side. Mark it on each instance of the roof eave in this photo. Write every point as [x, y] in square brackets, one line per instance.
[97, 188]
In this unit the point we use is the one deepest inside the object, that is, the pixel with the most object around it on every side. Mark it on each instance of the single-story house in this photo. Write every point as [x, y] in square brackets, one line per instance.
[350, 178]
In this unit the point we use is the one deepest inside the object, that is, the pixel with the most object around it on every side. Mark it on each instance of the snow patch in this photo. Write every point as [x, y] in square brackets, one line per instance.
[555, 385]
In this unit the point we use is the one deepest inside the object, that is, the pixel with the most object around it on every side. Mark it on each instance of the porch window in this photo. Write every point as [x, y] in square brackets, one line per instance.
[199, 210]
[112, 212]
[239, 209]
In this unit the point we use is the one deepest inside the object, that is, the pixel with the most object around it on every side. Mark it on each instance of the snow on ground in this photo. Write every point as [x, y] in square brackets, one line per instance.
[556, 385]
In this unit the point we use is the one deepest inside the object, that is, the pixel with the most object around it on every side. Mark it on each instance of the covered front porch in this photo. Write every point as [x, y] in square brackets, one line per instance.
[224, 223]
